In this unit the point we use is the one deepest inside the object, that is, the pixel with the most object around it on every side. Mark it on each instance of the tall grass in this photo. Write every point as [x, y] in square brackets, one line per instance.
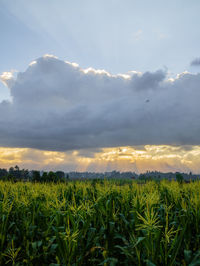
[100, 223]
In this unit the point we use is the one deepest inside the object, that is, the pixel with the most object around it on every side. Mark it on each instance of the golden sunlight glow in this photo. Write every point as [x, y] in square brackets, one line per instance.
[50, 56]
[139, 159]
[96, 71]
[72, 63]
[6, 77]
[33, 63]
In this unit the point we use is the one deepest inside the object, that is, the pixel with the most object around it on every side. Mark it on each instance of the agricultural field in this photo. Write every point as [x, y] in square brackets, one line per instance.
[100, 222]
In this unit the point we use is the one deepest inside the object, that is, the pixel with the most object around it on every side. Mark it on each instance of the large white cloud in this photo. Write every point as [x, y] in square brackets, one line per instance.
[57, 105]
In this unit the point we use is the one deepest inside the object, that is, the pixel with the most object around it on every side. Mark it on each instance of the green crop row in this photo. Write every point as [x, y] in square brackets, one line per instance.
[100, 223]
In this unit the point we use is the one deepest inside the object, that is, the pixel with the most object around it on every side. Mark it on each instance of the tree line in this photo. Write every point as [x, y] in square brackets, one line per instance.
[16, 174]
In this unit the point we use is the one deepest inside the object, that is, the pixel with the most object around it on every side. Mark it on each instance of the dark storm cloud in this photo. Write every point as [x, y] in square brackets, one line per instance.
[59, 106]
[148, 81]
[195, 62]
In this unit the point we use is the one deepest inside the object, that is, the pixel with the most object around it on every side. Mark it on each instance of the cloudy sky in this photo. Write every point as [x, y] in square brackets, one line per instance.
[100, 85]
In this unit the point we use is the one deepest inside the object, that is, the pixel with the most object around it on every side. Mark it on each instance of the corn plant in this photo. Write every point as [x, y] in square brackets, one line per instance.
[100, 222]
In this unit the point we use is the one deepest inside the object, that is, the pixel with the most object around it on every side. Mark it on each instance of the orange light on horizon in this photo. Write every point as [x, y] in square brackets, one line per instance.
[140, 159]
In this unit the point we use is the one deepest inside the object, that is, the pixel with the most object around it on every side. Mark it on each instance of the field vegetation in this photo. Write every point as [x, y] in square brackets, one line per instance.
[100, 222]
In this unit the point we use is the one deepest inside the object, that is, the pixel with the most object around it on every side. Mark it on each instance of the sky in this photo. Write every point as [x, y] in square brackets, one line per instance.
[100, 85]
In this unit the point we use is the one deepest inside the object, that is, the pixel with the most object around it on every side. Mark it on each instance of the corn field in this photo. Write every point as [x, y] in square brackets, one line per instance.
[100, 223]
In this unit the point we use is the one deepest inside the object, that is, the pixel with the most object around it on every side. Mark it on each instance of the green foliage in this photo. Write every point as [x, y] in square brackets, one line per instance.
[36, 176]
[179, 178]
[99, 222]
[60, 174]
[15, 174]
[52, 177]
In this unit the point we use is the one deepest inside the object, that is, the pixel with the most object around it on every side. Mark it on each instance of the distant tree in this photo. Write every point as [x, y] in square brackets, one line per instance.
[24, 174]
[52, 177]
[36, 176]
[179, 178]
[17, 173]
[9, 177]
[44, 177]
[142, 177]
[60, 174]
[16, 168]
[11, 171]
[3, 173]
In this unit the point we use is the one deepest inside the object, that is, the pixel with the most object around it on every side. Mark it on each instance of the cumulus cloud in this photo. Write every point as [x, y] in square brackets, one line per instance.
[59, 106]
[7, 78]
[195, 62]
